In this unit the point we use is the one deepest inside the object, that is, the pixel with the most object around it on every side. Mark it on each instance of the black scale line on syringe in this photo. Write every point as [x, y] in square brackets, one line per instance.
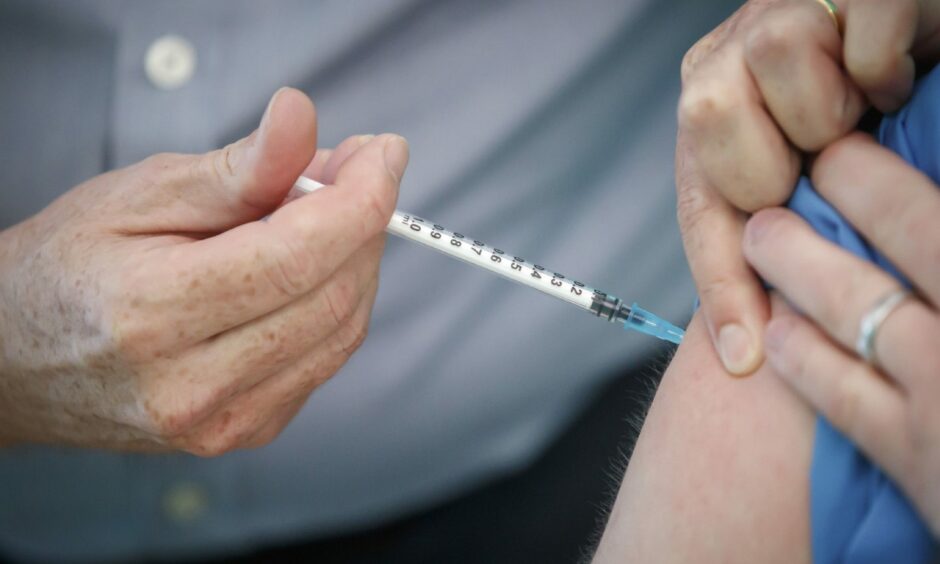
[517, 269]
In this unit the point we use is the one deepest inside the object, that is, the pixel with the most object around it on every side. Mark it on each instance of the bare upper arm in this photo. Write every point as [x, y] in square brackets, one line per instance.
[720, 472]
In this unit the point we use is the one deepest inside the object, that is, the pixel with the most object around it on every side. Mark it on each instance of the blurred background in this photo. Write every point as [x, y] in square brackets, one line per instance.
[480, 421]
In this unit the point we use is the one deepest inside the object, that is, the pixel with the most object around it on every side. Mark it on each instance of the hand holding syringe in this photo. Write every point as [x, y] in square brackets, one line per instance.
[477, 253]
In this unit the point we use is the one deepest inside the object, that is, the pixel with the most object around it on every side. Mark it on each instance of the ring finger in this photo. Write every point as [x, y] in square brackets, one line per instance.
[835, 288]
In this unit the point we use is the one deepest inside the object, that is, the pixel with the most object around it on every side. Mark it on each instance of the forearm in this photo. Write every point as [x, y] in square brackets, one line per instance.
[720, 471]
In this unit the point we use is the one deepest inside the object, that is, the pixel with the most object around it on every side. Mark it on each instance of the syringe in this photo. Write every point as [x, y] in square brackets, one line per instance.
[517, 269]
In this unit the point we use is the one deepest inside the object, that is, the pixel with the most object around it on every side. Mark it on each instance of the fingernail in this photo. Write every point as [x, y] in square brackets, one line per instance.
[758, 225]
[396, 156]
[249, 147]
[266, 118]
[363, 139]
[736, 348]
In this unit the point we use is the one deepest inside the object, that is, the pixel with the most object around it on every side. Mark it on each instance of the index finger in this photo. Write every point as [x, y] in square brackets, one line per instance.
[208, 286]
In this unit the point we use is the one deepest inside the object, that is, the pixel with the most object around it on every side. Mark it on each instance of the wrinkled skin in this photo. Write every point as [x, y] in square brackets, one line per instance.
[151, 308]
[771, 85]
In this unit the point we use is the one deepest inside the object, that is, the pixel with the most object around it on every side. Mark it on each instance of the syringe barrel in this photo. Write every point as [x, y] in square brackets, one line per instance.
[515, 268]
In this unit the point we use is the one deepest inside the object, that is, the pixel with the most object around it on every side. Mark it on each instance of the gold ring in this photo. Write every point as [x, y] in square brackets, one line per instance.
[833, 12]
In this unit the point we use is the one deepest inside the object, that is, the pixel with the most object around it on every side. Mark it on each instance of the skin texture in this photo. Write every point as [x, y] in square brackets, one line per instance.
[150, 308]
[720, 471]
[769, 86]
[889, 412]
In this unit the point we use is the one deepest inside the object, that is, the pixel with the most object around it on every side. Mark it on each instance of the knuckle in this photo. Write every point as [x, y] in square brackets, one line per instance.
[211, 447]
[134, 335]
[716, 290]
[177, 409]
[696, 53]
[215, 168]
[829, 121]
[341, 299]
[693, 204]
[132, 339]
[357, 335]
[221, 165]
[727, 297]
[135, 339]
[350, 337]
[311, 373]
[289, 273]
[689, 61]
[221, 438]
[826, 127]
[845, 403]
[771, 41]
[705, 103]
[917, 223]
[377, 208]
[830, 304]
[171, 420]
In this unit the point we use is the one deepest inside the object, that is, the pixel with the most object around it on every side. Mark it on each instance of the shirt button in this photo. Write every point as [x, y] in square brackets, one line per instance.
[170, 62]
[184, 502]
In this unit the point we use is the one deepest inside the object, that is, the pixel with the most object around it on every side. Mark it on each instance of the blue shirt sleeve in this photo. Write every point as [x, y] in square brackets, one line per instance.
[858, 515]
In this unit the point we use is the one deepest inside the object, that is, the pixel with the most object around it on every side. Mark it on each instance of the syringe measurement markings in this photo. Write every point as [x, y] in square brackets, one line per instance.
[517, 269]
[556, 284]
[514, 267]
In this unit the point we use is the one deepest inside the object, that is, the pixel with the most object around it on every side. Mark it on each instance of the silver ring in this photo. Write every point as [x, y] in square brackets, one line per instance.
[872, 321]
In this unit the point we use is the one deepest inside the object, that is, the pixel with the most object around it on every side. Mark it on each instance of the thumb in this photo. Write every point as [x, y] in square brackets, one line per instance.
[733, 300]
[241, 182]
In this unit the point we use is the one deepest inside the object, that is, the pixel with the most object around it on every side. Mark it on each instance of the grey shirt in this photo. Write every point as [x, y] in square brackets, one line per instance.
[545, 127]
